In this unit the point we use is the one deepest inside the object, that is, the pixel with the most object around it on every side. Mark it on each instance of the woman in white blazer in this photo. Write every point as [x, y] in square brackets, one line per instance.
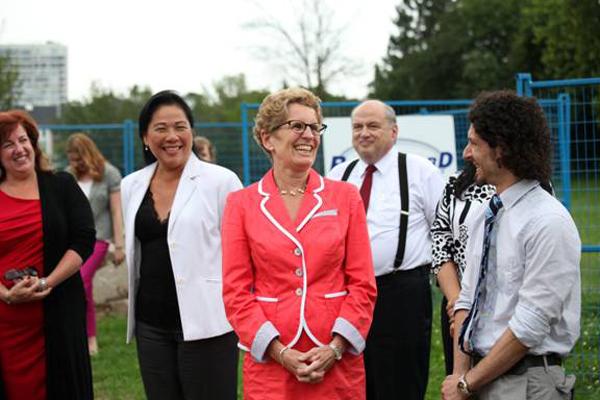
[172, 211]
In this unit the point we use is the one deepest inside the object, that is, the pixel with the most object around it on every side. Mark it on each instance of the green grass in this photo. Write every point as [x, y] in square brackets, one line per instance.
[585, 358]
[115, 368]
[116, 371]
[584, 361]
[117, 376]
[585, 209]
[437, 371]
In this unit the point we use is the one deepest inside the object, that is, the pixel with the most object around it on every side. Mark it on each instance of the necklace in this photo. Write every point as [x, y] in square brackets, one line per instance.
[292, 192]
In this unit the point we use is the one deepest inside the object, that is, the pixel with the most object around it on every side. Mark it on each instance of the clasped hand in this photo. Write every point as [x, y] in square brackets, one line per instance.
[25, 290]
[450, 389]
[309, 367]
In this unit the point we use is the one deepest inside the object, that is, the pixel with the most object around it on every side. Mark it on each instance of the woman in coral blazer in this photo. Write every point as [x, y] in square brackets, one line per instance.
[298, 281]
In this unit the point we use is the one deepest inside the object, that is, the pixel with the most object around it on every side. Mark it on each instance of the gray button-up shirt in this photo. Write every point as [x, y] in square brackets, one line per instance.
[537, 290]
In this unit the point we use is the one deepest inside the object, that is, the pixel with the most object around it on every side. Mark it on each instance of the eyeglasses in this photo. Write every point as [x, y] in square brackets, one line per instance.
[298, 127]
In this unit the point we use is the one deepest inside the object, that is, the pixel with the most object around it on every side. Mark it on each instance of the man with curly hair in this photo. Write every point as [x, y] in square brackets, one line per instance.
[518, 313]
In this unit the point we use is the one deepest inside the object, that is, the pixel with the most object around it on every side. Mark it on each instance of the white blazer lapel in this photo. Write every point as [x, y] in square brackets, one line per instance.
[263, 190]
[136, 192]
[185, 188]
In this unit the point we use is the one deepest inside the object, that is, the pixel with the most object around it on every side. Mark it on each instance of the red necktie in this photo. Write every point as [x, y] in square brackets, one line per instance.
[365, 189]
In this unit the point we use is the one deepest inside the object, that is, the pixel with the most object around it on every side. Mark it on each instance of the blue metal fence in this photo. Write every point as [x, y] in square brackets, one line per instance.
[572, 108]
[112, 139]
[578, 186]
[120, 144]
[256, 163]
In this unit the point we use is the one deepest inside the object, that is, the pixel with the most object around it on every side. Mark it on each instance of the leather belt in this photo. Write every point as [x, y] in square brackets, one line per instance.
[527, 362]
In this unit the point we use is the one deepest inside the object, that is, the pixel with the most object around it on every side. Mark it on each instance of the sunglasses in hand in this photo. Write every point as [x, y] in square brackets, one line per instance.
[15, 274]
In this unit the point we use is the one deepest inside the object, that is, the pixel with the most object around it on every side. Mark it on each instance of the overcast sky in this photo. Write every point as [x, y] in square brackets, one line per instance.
[184, 45]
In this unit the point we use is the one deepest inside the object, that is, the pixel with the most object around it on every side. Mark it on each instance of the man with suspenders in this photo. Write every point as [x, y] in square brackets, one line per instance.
[400, 193]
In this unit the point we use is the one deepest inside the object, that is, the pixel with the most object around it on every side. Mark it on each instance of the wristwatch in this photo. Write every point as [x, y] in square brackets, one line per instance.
[463, 386]
[42, 285]
[337, 351]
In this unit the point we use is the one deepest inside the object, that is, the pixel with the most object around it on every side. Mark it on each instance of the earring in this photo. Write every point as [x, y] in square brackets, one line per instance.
[146, 147]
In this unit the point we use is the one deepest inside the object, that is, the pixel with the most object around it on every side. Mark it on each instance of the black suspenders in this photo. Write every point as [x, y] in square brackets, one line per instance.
[403, 178]
[349, 169]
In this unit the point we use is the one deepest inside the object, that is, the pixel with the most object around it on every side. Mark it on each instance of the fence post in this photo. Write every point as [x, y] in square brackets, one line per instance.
[132, 146]
[245, 144]
[125, 143]
[128, 148]
[564, 146]
[524, 84]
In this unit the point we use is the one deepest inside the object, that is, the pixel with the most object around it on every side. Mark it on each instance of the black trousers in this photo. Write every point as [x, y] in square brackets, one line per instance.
[173, 369]
[398, 345]
[447, 340]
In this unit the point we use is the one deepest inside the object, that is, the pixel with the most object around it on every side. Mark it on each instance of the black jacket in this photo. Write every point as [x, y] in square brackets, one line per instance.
[67, 223]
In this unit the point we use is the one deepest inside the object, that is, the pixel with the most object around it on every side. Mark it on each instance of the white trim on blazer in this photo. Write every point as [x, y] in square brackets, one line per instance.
[302, 325]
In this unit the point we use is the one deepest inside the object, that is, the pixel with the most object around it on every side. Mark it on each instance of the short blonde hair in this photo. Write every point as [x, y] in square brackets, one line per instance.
[273, 110]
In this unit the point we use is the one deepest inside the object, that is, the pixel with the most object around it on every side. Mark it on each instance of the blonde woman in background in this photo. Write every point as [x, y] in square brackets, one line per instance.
[100, 181]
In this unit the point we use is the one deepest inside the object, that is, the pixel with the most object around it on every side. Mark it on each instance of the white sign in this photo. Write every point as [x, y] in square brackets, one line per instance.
[430, 136]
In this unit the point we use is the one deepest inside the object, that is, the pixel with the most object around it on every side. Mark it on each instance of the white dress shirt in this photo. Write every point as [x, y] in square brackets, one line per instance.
[537, 289]
[425, 186]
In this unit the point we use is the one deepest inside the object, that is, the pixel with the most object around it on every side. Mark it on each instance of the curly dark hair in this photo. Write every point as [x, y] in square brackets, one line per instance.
[518, 126]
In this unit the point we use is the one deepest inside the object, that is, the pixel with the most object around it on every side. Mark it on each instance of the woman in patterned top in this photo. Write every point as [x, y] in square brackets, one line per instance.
[450, 232]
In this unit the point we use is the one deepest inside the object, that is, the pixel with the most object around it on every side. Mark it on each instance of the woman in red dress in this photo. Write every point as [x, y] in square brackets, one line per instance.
[298, 281]
[46, 231]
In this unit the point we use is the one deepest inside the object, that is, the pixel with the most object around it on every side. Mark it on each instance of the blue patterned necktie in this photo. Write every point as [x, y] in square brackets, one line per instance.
[470, 322]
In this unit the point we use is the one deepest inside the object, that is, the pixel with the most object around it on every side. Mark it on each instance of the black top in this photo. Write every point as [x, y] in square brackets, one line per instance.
[67, 223]
[156, 302]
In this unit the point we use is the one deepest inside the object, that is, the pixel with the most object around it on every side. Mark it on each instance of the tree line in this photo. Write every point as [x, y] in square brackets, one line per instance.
[446, 49]
[441, 49]
[221, 104]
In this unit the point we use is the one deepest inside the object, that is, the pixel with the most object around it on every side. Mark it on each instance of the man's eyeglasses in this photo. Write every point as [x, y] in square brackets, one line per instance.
[298, 127]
